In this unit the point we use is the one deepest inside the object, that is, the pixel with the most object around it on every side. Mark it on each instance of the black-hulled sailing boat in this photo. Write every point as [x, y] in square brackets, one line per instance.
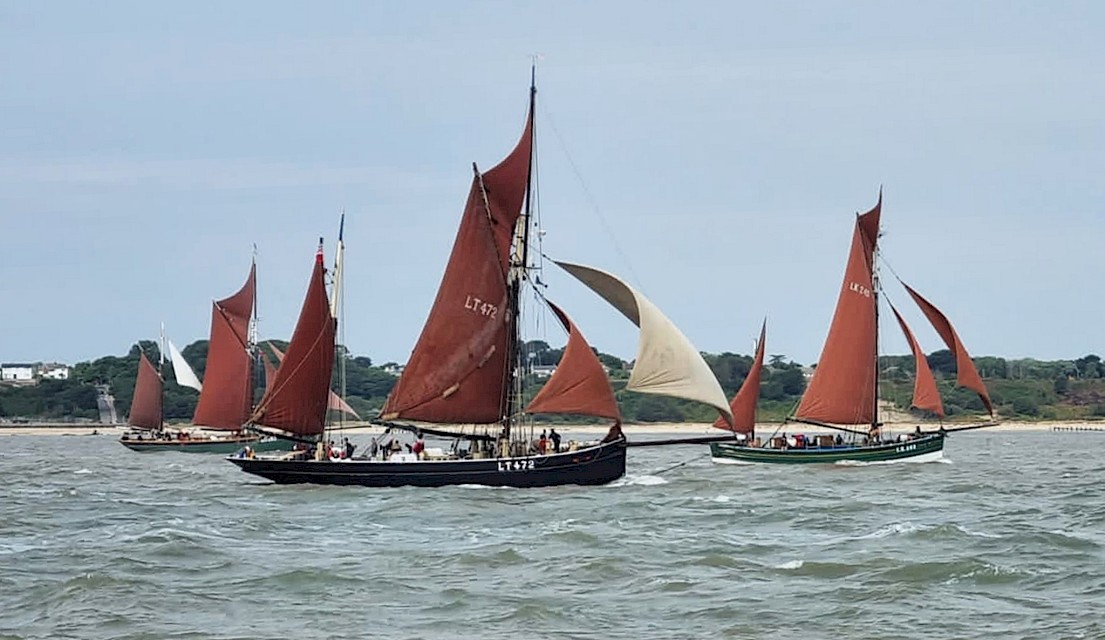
[463, 379]
[226, 394]
[843, 393]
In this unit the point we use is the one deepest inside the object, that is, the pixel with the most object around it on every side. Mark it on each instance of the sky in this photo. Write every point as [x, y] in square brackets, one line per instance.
[712, 153]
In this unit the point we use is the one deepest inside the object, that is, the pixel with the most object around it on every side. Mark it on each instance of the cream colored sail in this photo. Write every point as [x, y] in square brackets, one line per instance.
[185, 377]
[667, 363]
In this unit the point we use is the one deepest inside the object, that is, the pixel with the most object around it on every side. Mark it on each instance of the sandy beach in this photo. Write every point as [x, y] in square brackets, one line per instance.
[683, 429]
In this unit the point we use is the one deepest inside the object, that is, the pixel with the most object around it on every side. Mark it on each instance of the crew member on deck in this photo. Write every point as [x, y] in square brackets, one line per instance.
[555, 437]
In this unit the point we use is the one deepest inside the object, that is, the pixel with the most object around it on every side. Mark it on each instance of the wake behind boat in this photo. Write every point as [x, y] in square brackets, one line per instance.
[844, 391]
[465, 373]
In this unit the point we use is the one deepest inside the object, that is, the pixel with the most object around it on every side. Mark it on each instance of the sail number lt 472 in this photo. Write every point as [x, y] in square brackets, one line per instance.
[480, 307]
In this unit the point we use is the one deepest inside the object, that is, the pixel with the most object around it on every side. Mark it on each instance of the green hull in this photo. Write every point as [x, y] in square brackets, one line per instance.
[925, 448]
[200, 445]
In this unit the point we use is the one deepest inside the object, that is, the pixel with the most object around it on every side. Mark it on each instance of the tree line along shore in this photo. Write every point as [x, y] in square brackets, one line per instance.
[1064, 392]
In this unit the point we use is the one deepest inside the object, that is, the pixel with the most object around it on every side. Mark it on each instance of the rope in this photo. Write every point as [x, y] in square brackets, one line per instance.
[673, 467]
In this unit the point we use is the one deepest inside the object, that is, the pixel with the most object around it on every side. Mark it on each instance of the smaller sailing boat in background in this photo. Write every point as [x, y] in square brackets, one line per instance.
[464, 375]
[146, 404]
[843, 394]
[226, 394]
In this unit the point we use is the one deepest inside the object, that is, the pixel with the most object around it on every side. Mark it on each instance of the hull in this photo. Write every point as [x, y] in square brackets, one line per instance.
[926, 448]
[595, 465]
[207, 445]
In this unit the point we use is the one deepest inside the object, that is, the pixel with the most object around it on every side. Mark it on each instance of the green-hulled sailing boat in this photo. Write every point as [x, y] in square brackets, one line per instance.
[843, 395]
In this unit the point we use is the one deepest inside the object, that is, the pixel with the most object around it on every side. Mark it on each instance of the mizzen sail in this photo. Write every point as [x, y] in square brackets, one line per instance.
[227, 393]
[458, 371]
[966, 373]
[744, 403]
[579, 385]
[145, 406]
[667, 363]
[925, 394]
[843, 387]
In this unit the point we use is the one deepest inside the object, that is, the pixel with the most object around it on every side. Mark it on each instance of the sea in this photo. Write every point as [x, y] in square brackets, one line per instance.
[1004, 538]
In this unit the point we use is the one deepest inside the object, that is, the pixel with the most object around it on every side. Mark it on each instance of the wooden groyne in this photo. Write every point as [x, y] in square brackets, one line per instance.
[1078, 428]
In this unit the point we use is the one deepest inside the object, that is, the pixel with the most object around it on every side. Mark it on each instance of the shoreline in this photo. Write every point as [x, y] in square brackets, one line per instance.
[683, 429]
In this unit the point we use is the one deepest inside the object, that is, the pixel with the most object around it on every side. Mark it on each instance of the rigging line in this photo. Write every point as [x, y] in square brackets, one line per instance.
[590, 197]
[674, 466]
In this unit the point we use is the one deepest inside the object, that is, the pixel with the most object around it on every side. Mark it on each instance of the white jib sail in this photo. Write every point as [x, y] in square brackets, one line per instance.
[185, 377]
[667, 363]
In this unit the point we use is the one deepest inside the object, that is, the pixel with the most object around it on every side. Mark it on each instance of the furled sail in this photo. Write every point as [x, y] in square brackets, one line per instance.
[185, 377]
[925, 394]
[667, 363]
[966, 373]
[842, 390]
[579, 385]
[333, 403]
[145, 406]
[744, 403]
[227, 393]
[458, 371]
[296, 401]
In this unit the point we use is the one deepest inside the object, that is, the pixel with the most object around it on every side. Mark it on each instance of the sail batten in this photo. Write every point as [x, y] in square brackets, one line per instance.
[925, 394]
[666, 363]
[145, 407]
[458, 371]
[843, 387]
[579, 385]
[747, 398]
[966, 374]
[296, 401]
[227, 397]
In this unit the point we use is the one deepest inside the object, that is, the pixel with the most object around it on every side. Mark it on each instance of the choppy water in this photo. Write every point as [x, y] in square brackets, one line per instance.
[1005, 540]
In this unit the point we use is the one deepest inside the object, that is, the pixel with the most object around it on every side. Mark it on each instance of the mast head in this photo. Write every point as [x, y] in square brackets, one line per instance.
[318, 254]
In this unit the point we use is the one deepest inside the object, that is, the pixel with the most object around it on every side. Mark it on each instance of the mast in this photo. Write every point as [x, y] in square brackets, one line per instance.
[519, 268]
[875, 296]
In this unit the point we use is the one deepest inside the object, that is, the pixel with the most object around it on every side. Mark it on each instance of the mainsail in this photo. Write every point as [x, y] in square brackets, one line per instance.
[184, 374]
[579, 385]
[744, 403]
[295, 403]
[843, 388]
[459, 371]
[145, 406]
[334, 402]
[227, 394]
[667, 363]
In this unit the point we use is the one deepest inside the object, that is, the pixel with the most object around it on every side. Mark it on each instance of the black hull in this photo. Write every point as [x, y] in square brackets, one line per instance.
[591, 466]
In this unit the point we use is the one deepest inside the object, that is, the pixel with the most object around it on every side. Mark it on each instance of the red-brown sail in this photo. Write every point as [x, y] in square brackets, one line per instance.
[842, 390]
[227, 394]
[334, 402]
[458, 372]
[925, 394]
[270, 370]
[145, 406]
[744, 403]
[579, 385]
[296, 401]
[966, 373]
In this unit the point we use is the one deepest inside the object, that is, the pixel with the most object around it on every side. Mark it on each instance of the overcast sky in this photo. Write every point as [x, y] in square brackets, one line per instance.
[714, 154]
